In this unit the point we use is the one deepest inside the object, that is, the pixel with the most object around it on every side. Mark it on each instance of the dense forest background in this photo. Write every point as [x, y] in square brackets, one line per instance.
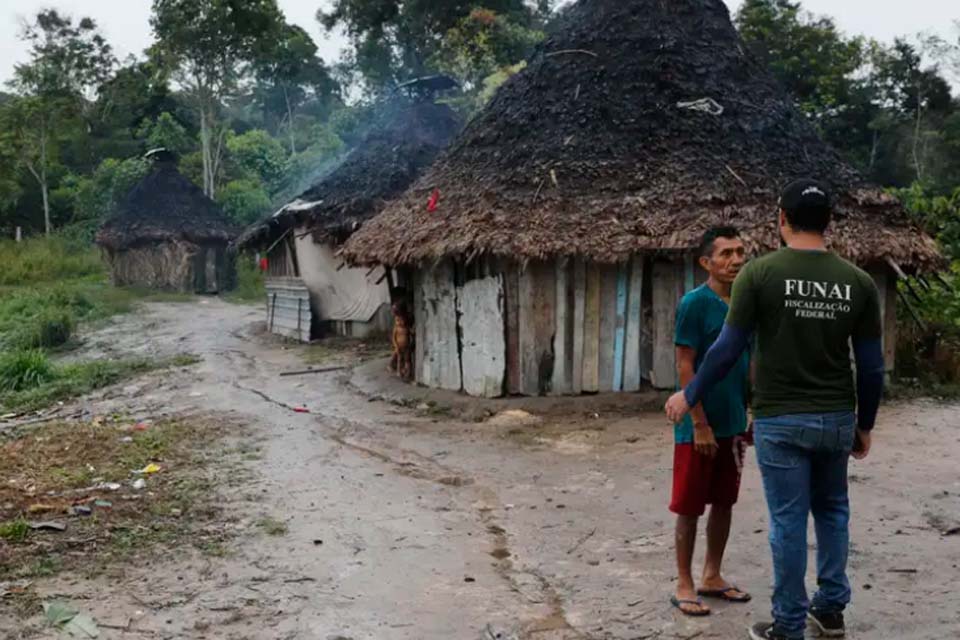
[254, 113]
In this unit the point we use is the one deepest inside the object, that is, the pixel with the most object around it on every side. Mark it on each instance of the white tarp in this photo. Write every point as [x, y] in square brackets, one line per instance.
[347, 294]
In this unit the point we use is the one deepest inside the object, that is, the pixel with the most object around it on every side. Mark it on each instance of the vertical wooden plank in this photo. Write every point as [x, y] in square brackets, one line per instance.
[608, 326]
[667, 284]
[579, 301]
[632, 347]
[620, 330]
[420, 324]
[441, 366]
[689, 273]
[886, 283]
[562, 379]
[480, 305]
[511, 287]
[890, 323]
[591, 330]
[537, 326]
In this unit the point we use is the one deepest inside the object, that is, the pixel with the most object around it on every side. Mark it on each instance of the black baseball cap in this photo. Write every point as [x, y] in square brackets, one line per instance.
[805, 195]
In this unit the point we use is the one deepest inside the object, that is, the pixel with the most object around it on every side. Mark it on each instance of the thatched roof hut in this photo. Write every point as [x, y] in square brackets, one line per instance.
[404, 142]
[635, 127]
[569, 207]
[167, 234]
[309, 290]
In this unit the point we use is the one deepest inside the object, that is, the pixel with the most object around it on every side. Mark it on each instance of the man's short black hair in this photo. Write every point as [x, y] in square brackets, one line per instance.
[709, 238]
[807, 205]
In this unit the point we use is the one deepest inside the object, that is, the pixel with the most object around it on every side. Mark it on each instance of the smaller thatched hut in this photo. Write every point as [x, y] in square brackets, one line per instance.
[310, 292]
[571, 206]
[167, 235]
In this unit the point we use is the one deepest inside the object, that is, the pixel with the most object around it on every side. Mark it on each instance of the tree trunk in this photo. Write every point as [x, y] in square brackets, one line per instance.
[873, 150]
[293, 134]
[917, 160]
[44, 189]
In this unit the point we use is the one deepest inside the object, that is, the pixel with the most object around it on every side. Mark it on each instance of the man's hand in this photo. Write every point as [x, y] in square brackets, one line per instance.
[861, 445]
[677, 407]
[704, 442]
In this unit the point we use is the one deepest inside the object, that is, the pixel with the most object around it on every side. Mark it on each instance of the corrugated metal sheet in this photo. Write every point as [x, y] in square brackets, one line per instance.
[288, 308]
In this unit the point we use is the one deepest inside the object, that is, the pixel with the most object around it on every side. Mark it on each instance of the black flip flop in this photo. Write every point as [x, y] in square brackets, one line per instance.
[723, 594]
[676, 602]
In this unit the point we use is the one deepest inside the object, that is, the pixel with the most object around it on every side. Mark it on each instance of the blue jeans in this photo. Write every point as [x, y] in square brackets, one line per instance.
[803, 461]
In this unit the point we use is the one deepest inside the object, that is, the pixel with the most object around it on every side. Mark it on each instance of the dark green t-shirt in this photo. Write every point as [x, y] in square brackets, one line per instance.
[805, 307]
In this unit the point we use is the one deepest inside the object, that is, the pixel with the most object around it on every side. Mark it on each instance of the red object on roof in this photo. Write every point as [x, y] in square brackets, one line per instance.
[432, 202]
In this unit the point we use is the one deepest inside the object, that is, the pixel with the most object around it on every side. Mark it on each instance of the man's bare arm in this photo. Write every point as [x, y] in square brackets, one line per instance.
[703, 438]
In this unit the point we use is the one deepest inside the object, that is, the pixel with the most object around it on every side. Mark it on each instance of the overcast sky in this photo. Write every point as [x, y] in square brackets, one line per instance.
[125, 22]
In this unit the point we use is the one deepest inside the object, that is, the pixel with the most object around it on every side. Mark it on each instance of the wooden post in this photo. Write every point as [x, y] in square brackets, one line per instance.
[886, 282]
[18, 235]
[667, 284]
[562, 383]
[579, 301]
[537, 327]
[591, 330]
[419, 322]
[608, 326]
[511, 312]
[620, 330]
[631, 356]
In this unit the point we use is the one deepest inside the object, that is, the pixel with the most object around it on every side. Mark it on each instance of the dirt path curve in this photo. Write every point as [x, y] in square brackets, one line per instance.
[407, 527]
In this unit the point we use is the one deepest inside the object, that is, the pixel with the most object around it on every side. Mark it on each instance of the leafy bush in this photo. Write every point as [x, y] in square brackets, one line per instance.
[53, 328]
[249, 281]
[23, 370]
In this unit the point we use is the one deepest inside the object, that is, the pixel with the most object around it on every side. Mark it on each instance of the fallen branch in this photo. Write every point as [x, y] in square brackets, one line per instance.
[581, 541]
[306, 371]
[565, 51]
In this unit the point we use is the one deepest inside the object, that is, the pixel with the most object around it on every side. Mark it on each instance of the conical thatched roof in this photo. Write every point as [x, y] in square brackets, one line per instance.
[407, 139]
[636, 126]
[165, 206]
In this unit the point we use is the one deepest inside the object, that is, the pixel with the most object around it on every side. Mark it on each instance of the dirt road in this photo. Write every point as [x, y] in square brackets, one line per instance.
[405, 526]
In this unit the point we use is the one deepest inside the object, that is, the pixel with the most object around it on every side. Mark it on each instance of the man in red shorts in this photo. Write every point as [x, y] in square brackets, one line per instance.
[708, 454]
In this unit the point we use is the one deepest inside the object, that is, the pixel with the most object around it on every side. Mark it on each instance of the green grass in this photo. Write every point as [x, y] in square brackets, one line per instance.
[77, 379]
[250, 286]
[272, 526]
[43, 260]
[22, 370]
[14, 530]
[48, 288]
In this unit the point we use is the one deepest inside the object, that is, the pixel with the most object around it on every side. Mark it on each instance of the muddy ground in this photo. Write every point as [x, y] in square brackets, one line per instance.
[415, 524]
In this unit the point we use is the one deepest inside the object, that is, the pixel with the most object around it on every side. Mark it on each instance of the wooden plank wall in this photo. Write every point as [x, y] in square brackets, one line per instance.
[480, 307]
[439, 363]
[511, 289]
[632, 351]
[591, 330]
[578, 294]
[668, 283]
[288, 308]
[886, 282]
[608, 327]
[537, 322]
[563, 343]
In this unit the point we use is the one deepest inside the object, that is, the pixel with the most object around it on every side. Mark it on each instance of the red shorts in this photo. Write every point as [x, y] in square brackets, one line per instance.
[699, 480]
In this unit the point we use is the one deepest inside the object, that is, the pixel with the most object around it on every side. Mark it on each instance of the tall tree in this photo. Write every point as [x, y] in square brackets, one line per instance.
[207, 42]
[807, 53]
[289, 73]
[68, 61]
[393, 40]
[910, 87]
